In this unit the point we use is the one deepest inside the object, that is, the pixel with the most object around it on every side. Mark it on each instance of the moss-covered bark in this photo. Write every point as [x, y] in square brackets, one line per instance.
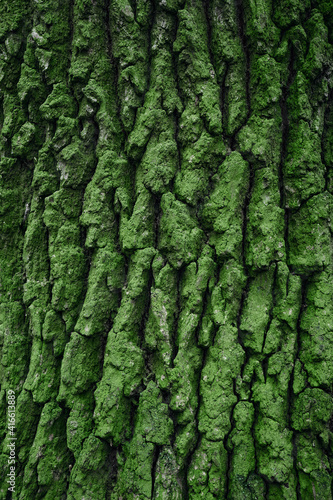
[166, 264]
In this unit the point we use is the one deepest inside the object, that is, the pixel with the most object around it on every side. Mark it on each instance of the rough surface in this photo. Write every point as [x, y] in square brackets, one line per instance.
[166, 265]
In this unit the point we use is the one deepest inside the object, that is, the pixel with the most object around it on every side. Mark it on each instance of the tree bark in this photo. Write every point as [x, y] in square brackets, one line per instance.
[166, 315]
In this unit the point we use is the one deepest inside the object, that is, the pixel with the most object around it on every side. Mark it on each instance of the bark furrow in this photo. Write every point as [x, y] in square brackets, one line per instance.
[166, 262]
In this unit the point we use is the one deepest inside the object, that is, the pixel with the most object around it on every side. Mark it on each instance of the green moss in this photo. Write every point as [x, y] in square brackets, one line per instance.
[166, 479]
[13, 16]
[180, 238]
[123, 360]
[122, 375]
[309, 235]
[257, 310]
[44, 372]
[289, 12]
[75, 165]
[27, 417]
[14, 342]
[103, 293]
[21, 140]
[165, 248]
[223, 363]
[79, 423]
[192, 181]
[313, 468]
[312, 410]
[79, 352]
[58, 102]
[287, 296]
[260, 140]
[265, 85]
[30, 84]
[159, 164]
[235, 88]
[131, 49]
[89, 476]
[49, 458]
[303, 171]
[137, 232]
[225, 205]
[159, 329]
[316, 332]
[265, 227]
[207, 472]
[241, 445]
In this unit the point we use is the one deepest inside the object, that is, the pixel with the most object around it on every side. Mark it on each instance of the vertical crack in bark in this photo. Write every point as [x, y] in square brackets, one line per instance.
[177, 314]
[88, 252]
[253, 434]
[196, 419]
[149, 42]
[241, 19]
[222, 90]
[270, 319]
[284, 147]
[241, 22]
[113, 469]
[239, 319]
[70, 44]
[223, 107]
[71, 37]
[47, 130]
[209, 32]
[144, 320]
[226, 439]
[304, 285]
[243, 259]
[245, 217]
[156, 455]
[115, 71]
[176, 113]
[328, 111]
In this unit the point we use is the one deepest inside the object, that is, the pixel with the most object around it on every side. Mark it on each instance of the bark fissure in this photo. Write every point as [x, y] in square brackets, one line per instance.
[166, 248]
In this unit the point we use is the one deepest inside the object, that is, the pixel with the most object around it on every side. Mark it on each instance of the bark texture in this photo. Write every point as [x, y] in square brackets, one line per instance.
[166, 315]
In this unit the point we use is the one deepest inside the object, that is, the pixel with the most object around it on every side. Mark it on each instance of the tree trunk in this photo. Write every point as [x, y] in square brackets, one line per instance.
[166, 315]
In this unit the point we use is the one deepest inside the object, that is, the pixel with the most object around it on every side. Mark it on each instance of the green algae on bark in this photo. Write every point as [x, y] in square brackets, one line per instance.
[166, 248]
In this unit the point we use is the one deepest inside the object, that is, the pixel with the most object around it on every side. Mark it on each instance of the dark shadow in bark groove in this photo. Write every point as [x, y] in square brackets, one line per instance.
[241, 21]
[304, 285]
[153, 468]
[325, 134]
[284, 146]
